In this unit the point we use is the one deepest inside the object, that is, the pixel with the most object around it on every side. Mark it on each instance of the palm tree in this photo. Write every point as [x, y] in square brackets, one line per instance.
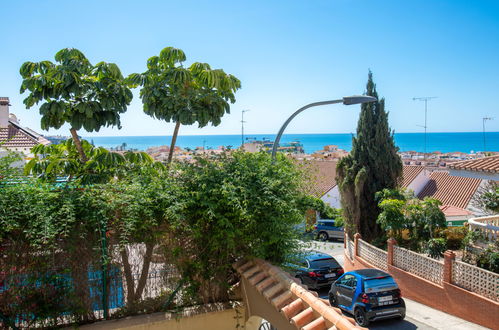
[197, 94]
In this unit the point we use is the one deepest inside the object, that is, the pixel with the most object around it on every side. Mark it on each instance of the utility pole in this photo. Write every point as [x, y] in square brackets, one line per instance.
[484, 119]
[425, 99]
[242, 128]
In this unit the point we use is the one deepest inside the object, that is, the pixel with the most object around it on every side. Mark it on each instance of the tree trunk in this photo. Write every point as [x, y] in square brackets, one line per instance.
[78, 146]
[145, 271]
[130, 287]
[174, 140]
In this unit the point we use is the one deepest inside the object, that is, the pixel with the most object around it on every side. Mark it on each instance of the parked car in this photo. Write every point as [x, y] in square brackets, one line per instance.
[315, 269]
[368, 294]
[326, 229]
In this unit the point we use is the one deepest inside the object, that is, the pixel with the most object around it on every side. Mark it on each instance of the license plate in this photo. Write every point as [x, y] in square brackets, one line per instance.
[386, 298]
[330, 275]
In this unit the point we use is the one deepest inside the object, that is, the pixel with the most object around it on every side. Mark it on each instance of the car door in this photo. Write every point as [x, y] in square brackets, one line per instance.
[335, 232]
[345, 291]
[302, 271]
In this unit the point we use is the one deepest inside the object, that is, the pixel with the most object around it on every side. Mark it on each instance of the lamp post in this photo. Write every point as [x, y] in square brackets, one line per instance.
[347, 100]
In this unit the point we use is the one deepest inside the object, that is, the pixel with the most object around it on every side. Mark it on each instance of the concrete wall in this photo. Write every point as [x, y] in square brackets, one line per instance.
[204, 317]
[447, 298]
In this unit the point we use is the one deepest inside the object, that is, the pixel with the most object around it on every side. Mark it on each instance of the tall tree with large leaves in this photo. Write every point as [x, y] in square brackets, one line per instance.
[74, 91]
[184, 95]
[372, 165]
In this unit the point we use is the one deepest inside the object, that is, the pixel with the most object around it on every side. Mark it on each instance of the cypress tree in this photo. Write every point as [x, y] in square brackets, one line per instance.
[372, 165]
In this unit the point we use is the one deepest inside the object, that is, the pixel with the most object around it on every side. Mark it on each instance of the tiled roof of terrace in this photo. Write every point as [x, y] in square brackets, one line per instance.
[298, 306]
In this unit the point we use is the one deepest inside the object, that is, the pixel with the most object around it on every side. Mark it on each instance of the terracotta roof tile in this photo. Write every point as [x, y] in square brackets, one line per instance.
[322, 176]
[487, 164]
[450, 190]
[409, 173]
[14, 137]
[299, 306]
[452, 211]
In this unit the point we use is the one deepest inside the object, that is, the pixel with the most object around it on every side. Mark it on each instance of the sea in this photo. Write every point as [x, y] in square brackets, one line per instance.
[468, 142]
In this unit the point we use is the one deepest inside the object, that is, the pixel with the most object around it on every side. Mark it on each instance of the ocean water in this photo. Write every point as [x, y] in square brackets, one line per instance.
[444, 142]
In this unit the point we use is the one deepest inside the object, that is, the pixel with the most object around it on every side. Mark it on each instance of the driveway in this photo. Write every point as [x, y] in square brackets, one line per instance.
[418, 316]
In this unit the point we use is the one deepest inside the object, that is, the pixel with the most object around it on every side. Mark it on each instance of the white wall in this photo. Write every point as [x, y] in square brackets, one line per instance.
[419, 182]
[332, 197]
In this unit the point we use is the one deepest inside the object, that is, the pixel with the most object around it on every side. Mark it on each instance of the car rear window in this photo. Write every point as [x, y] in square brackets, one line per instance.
[376, 284]
[322, 263]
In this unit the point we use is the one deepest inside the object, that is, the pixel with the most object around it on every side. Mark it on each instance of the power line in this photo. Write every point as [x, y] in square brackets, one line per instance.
[425, 99]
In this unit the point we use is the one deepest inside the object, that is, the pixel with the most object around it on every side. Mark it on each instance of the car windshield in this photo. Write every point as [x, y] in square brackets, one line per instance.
[379, 284]
[323, 263]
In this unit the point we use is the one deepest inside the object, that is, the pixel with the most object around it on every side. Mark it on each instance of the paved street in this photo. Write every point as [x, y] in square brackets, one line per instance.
[418, 316]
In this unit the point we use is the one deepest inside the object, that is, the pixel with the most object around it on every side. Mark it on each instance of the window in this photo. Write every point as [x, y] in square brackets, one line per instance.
[349, 280]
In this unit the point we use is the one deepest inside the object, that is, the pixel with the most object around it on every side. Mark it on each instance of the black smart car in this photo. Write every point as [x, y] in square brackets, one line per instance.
[315, 269]
[368, 294]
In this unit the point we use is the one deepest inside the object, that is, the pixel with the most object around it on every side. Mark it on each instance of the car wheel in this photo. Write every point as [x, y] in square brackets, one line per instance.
[323, 236]
[332, 300]
[361, 317]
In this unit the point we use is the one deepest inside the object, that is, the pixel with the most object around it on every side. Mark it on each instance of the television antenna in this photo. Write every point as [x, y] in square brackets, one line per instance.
[484, 119]
[242, 128]
[425, 99]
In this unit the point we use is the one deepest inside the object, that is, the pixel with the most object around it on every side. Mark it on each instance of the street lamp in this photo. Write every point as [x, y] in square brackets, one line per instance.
[347, 100]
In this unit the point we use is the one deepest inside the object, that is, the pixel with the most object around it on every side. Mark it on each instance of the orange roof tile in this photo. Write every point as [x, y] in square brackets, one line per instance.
[409, 173]
[487, 164]
[299, 306]
[321, 174]
[12, 137]
[451, 211]
[450, 190]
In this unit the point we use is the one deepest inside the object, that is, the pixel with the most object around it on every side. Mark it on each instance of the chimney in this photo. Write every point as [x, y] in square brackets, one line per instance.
[4, 112]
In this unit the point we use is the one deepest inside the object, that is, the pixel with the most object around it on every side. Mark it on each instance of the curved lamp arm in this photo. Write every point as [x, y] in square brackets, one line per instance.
[348, 100]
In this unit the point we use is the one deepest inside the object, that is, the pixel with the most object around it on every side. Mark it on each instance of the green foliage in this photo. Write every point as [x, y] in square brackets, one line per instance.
[62, 160]
[9, 168]
[392, 217]
[435, 247]
[206, 215]
[371, 166]
[487, 197]
[422, 218]
[426, 217]
[74, 91]
[236, 206]
[171, 92]
[197, 94]
[454, 237]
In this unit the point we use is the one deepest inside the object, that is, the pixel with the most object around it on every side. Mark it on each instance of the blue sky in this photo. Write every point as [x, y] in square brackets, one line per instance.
[286, 53]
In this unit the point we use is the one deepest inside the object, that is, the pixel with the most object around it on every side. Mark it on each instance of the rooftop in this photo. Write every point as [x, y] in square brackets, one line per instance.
[450, 190]
[487, 164]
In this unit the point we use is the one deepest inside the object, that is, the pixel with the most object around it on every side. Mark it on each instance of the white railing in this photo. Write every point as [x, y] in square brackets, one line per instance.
[372, 254]
[350, 248]
[417, 264]
[489, 226]
[475, 279]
